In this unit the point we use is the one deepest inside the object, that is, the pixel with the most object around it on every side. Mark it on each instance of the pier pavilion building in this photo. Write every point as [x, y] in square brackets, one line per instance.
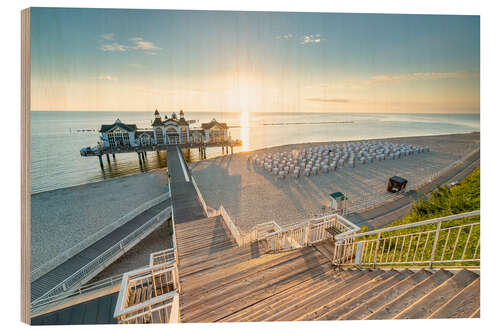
[166, 131]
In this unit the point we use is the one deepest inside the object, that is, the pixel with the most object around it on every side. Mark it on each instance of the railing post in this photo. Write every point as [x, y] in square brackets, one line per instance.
[376, 250]
[435, 244]
[307, 232]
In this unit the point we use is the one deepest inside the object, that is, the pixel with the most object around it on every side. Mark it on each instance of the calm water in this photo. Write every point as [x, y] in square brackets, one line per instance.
[56, 138]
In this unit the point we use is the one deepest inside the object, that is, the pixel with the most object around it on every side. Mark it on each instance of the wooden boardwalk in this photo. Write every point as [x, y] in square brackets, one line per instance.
[185, 203]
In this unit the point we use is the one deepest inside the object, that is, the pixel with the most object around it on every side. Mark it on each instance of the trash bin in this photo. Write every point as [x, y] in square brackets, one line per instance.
[396, 184]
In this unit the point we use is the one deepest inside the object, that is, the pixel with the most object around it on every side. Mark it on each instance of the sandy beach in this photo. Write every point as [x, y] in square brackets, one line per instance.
[64, 217]
[252, 195]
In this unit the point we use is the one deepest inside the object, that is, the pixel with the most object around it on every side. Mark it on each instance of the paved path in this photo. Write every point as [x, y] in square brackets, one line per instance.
[57, 275]
[97, 311]
[385, 214]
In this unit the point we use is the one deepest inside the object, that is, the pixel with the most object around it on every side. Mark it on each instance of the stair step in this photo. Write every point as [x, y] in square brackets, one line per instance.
[348, 296]
[225, 276]
[198, 299]
[425, 306]
[377, 288]
[282, 300]
[312, 308]
[278, 285]
[463, 305]
[222, 303]
[402, 302]
[386, 296]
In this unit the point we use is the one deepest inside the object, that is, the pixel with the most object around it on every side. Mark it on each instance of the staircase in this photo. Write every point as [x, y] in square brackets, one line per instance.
[302, 285]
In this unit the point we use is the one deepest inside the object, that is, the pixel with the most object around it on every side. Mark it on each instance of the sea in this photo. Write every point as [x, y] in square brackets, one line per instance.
[58, 136]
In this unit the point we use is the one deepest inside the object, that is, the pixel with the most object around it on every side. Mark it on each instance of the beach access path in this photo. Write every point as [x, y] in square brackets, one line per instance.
[64, 217]
[57, 275]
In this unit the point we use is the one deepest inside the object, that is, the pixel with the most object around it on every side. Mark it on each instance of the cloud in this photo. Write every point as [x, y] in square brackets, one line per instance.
[113, 47]
[106, 77]
[328, 100]
[311, 39]
[141, 44]
[286, 36]
[462, 74]
[108, 36]
[137, 43]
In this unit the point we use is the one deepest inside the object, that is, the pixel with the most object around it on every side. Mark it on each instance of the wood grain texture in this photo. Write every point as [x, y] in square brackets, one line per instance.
[25, 164]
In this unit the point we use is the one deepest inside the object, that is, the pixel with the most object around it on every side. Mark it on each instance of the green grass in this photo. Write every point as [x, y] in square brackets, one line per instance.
[444, 201]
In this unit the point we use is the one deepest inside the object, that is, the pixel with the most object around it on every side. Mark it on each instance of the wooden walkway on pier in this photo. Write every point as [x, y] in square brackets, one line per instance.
[51, 279]
[185, 203]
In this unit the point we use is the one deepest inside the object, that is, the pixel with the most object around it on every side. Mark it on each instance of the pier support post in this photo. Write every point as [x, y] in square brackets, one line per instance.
[139, 157]
[114, 156]
[222, 149]
[100, 161]
[107, 158]
[231, 149]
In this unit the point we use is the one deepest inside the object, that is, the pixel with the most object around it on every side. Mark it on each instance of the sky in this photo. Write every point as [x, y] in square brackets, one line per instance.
[141, 60]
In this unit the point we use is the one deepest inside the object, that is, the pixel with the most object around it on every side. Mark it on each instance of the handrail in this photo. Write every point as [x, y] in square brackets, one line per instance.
[298, 235]
[101, 284]
[69, 253]
[203, 204]
[415, 224]
[438, 245]
[231, 226]
[165, 273]
[103, 258]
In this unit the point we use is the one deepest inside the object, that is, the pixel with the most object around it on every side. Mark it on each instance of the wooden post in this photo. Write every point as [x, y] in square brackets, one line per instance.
[107, 158]
[222, 149]
[100, 161]
[139, 157]
[114, 156]
[231, 149]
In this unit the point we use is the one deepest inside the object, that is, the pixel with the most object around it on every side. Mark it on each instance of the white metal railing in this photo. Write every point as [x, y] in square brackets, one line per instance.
[231, 226]
[59, 259]
[309, 232]
[203, 204]
[41, 303]
[434, 244]
[295, 236]
[150, 294]
[101, 261]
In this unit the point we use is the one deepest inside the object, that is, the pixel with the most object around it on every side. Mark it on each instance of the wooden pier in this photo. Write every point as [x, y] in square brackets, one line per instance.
[99, 152]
